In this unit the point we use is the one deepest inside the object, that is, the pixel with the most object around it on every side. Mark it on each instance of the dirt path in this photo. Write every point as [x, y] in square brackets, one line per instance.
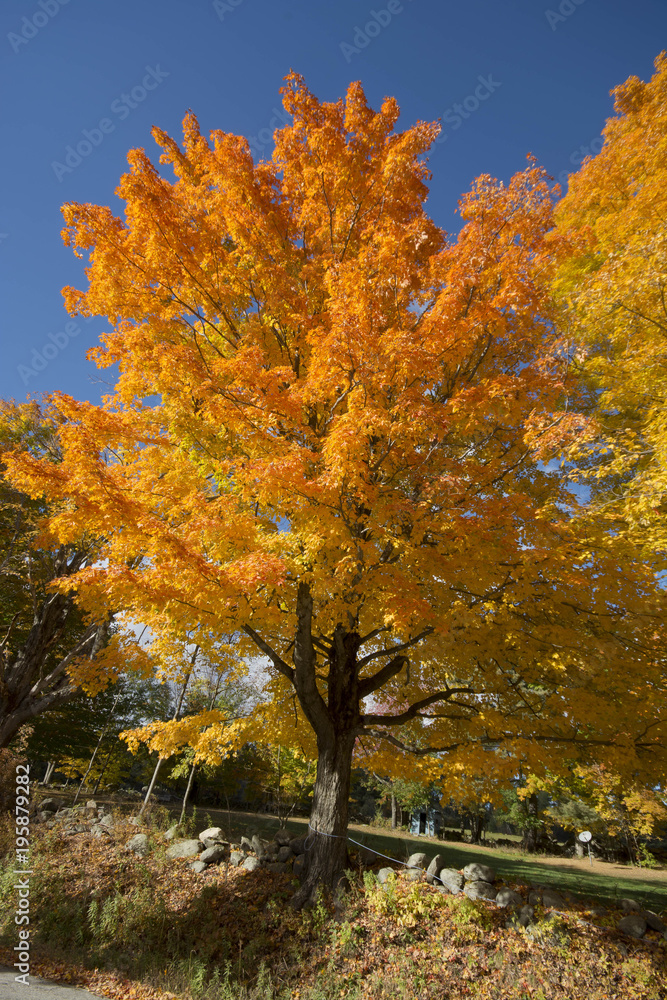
[38, 989]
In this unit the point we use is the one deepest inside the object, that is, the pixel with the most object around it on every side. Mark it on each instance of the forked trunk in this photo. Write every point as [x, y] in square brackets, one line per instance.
[326, 853]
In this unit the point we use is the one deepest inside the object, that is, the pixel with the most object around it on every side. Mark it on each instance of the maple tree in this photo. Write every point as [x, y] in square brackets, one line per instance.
[329, 438]
[612, 289]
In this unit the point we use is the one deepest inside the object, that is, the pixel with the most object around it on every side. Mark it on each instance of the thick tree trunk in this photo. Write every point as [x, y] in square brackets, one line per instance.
[393, 811]
[326, 854]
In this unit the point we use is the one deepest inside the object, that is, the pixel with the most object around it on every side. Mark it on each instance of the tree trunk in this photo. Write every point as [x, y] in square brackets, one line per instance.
[393, 811]
[150, 788]
[326, 853]
[50, 768]
[532, 834]
[187, 795]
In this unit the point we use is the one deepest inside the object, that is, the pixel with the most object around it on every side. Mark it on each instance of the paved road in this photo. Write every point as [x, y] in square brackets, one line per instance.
[38, 989]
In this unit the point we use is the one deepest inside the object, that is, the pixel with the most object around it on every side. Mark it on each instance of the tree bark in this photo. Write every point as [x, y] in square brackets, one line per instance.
[187, 795]
[393, 811]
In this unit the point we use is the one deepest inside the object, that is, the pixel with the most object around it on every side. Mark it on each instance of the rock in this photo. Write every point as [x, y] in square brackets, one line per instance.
[247, 844]
[139, 844]
[65, 812]
[235, 858]
[258, 846]
[653, 921]
[534, 898]
[49, 805]
[91, 804]
[184, 849]
[297, 845]
[100, 831]
[526, 915]
[630, 906]
[212, 833]
[451, 880]
[44, 817]
[284, 854]
[198, 866]
[385, 874]
[172, 832]
[299, 865]
[216, 843]
[479, 890]
[553, 900]
[508, 897]
[436, 864]
[479, 873]
[251, 864]
[282, 837]
[277, 867]
[212, 855]
[418, 860]
[108, 821]
[634, 925]
[413, 874]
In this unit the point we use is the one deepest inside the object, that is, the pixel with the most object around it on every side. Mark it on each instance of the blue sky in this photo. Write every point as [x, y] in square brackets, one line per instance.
[528, 76]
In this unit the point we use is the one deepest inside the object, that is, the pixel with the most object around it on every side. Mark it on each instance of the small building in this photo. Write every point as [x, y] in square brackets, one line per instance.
[426, 822]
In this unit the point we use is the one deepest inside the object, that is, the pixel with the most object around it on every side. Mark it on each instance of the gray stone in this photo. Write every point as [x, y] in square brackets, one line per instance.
[216, 843]
[654, 921]
[413, 874]
[479, 890]
[284, 853]
[479, 873]
[282, 837]
[100, 831]
[258, 846]
[211, 833]
[534, 897]
[251, 864]
[552, 900]
[277, 867]
[297, 845]
[434, 867]
[235, 858]
[634, 925]
[49, 805]
[139, 845]
[65, 811]
[184, 849]
[172, 832]
[418, 860]
[245, 842]
[451, 880]
[385, 874]
[526, 915]
[198, 866]
[108, 821]
[630, 906]
[44, 817]
[299, 865]
[508, 897]
[212, 855]
[91, 804]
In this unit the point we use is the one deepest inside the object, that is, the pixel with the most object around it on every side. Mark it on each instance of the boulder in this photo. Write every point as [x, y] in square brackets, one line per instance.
[172, 832]
[251, 864]
[198, 866]
[413, 874]
[436, 864]
[216, 843]
[100, 831]
[479, 873]
[212, 855]
[526, 915]
[235, 858]
[633, 925]
[258, 846]
[450, 880]
[508, 897]
[184, 849]
[108, 821]
[139, 844]
[297, 845]
[247, 844]
[211, 833]
[49, 805]
[418, 860]
[385, 874]
[284, 854]
[277, 867]
[282, 837]
[653, 921]
[630, 906]
[553, 900]
[91, 804]
[479, 890]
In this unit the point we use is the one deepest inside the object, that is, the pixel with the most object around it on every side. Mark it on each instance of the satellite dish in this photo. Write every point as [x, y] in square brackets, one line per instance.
[585, 836]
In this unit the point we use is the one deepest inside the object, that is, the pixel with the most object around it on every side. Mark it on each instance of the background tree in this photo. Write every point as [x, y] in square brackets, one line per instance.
[347, 461]
[44, 634]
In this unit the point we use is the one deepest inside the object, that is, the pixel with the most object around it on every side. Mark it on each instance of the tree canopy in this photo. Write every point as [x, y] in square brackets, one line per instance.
[331, 438]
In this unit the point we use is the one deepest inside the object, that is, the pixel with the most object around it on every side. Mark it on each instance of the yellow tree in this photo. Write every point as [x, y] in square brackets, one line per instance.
[612, 288]
[329, 436]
